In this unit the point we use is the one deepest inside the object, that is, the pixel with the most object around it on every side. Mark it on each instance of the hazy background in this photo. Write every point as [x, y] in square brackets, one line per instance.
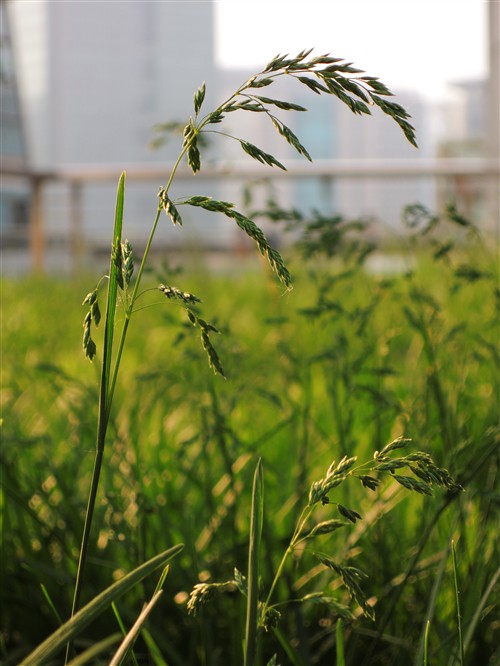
[86, 82]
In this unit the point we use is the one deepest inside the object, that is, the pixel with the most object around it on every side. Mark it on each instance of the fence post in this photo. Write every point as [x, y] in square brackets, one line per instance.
[36, 235]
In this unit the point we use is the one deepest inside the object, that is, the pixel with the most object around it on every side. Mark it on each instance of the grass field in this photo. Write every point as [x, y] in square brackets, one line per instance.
[345, 363]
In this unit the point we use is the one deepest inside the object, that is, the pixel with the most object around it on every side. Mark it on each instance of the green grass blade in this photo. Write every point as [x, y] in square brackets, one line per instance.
[154, 650]
[457, 599]
[426, 643]
[130, 638]
[104, 405]
[479, 609]
[93, 651]
[56, 641]
[256, 518]
[123, 629]
[340, 644]
[114, 272]
[431, 607]
[51, 604]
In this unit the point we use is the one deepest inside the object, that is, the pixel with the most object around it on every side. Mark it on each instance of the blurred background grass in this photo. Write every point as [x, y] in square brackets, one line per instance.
[348, 360]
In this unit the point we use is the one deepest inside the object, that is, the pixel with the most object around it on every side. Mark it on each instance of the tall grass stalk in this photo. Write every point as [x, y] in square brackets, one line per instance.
[457, 601]
[256, 518]
[104, 398]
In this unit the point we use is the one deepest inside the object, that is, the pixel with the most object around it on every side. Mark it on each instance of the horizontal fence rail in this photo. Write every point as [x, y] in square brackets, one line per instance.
[238, 170]
[76, 176]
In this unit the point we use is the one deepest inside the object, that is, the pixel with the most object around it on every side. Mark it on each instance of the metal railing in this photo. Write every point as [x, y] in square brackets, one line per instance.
[76, 177]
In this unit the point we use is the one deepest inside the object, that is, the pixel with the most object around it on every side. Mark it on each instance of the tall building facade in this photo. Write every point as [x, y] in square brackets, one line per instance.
[96, 77]
[14, 201]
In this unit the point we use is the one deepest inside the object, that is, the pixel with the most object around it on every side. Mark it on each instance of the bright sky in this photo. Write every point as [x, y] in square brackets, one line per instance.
[409, 44]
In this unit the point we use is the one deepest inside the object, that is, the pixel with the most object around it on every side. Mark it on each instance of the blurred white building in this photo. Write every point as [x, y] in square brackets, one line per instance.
[95, 77]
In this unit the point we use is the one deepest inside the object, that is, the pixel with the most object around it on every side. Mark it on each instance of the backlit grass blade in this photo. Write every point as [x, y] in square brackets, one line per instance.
[67, 632]
[256, 517]
[95, 650]
[426, 643]
[51, 604]
[130, 638]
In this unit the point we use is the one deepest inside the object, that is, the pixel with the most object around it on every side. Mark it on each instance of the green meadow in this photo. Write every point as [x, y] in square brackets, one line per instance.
[349, 360]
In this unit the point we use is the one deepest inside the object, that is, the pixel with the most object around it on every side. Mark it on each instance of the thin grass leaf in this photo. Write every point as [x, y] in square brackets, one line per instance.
[67, 632]
[457, 601]
[132, 635]
[95, 650]
[426, 643]
[256, 519]
[476, 618]
[162, 579]
[114, 275]
[153, 648]
[51, 604]
[123, 629]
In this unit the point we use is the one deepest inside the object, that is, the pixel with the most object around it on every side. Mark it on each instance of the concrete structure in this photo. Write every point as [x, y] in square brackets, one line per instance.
[14, 202]
[96, 77]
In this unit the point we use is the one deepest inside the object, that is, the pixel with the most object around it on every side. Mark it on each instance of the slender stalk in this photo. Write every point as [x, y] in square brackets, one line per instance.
[102, 419]
[129, 311]
[304, 517]
[256, 518]
[457, 599]
[107, 385]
